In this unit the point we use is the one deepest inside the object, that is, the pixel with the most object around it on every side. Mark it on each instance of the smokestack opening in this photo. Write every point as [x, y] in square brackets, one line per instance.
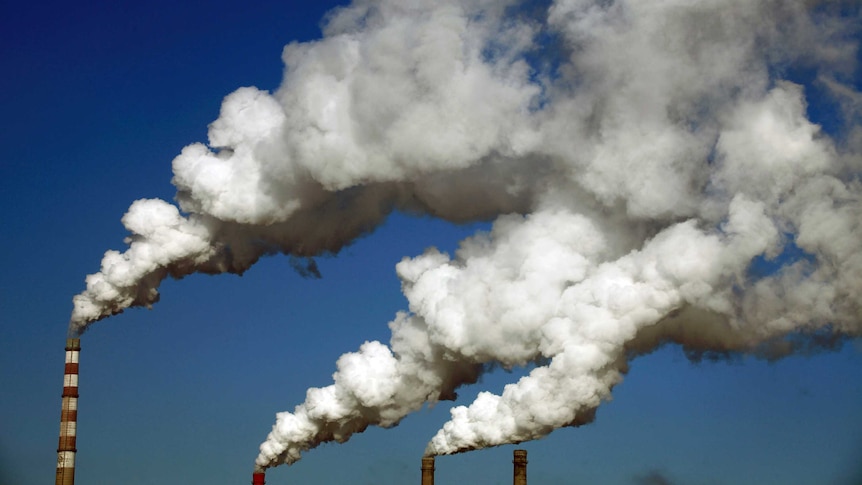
[428, 470]
[519, 460]
[258, 478]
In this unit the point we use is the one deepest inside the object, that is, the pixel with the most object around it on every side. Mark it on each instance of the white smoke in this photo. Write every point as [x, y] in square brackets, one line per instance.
[640, 160]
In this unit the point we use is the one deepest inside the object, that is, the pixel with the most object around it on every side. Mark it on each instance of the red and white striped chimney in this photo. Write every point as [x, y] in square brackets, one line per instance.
[69, 416]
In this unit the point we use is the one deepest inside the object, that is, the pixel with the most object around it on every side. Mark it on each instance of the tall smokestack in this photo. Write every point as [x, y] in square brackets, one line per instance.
[428, 470]
[519, 460]
[69, 416]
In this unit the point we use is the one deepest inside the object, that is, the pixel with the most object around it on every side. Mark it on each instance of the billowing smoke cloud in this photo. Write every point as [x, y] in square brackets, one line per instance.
[650, 169]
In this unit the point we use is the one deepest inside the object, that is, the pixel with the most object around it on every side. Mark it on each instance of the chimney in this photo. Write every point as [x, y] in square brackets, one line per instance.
[69, 416]
[428, 470]
[258, 478]
[520, 469]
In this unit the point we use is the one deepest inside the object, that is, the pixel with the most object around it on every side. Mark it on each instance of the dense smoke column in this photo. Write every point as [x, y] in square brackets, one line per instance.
[67, 448]
[323, 160]
[668, 162]
[650, 169]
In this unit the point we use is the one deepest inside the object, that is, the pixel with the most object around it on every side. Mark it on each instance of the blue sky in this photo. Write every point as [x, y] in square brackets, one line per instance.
[97, 101]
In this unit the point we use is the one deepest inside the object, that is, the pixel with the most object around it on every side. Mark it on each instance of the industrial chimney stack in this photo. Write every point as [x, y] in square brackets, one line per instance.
[258, 478]
[428, 470]
[69, 416]
[520, 467]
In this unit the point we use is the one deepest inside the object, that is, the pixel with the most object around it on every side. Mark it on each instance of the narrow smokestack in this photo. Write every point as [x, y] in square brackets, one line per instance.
[428, 470]
[520, 470]
[258, 478]
[69, 416]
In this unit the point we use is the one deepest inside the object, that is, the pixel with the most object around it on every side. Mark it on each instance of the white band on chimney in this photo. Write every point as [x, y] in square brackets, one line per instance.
[66, 459]
[71, 356]
[70, 380]
[68, 428]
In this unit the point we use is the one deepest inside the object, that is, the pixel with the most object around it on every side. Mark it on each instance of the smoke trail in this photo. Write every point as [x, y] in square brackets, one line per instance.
[642, 162]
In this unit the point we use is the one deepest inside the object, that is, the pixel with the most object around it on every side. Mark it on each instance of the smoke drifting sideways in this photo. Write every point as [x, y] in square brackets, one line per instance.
[650, 170]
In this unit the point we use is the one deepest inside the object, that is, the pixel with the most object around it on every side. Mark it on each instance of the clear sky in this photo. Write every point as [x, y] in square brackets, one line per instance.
[98, 98]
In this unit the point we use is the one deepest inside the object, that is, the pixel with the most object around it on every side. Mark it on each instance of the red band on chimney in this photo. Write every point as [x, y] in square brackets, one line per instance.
[69, 415]
[67, 443]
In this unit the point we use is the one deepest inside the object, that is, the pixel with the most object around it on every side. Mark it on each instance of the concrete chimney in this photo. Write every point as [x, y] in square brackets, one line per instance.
[69, 416]
[520, 470]
[428, 470]
[258, 478]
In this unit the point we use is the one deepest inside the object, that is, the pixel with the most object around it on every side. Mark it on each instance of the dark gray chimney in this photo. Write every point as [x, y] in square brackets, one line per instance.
[520, 469]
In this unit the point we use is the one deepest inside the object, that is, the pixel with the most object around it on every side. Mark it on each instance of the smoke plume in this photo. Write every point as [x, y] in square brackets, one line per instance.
[650, 169]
